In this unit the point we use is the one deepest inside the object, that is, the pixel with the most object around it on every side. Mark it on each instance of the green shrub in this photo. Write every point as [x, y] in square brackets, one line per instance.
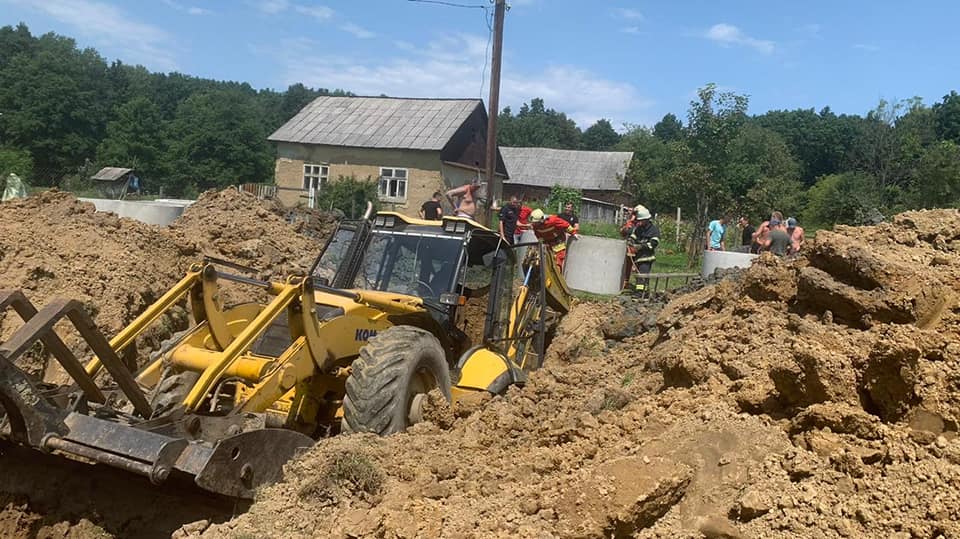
[349, 195]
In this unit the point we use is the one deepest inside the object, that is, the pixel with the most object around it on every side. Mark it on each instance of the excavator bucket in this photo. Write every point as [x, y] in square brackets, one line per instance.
[114, 427]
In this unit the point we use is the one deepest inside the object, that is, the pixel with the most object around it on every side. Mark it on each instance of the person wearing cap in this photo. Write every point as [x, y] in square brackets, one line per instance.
[715, 232]
[777, 240]
[796, 235]
[625, 230]
[644, 238]
[552, 230]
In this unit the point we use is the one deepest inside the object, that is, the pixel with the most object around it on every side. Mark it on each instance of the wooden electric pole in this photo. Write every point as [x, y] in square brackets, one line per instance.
[494, 183]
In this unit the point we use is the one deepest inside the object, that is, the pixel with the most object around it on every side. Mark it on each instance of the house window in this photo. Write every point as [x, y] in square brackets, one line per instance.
[315, 177]
[393, 184]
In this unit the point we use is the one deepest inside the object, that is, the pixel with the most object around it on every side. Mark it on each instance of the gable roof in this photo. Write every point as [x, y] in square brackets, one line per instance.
[377, 122]
[546, 167]
[111, 173]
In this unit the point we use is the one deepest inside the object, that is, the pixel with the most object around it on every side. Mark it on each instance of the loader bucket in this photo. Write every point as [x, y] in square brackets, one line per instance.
[245, 456]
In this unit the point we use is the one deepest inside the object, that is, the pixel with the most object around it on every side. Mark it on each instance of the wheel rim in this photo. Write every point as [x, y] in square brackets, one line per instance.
[421, 383]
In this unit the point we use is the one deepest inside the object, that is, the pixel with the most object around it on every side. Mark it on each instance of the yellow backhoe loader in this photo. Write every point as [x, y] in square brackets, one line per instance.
[355, 345]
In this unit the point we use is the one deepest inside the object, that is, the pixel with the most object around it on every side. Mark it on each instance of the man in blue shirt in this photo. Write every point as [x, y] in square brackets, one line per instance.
[715, 231]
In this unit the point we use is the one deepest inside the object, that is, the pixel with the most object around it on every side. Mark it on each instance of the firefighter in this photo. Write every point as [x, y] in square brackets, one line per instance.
[553, 231]
[643, 238]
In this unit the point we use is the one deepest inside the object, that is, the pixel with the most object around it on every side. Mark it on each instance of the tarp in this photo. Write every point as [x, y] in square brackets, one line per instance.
[14, 188]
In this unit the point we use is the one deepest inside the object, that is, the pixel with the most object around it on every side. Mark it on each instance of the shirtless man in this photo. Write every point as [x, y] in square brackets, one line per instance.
[466, 204]
[796, 235]
[760, 236]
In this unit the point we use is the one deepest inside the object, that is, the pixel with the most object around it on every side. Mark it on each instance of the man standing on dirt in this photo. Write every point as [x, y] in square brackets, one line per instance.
[552, 230]
[644, 238]
[777, 240]
[509, 215]
[431, 209]
[796, 235]
[625, 230]
[715, 232]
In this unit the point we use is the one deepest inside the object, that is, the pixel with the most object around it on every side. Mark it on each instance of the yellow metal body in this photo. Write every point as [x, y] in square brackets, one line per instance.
[304, 383]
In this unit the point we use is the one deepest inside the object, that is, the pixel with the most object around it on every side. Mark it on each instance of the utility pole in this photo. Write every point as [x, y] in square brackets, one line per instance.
[494, 184]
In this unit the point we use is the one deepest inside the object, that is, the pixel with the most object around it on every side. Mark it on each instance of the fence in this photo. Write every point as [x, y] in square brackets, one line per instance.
[663, 282]
[260, 190]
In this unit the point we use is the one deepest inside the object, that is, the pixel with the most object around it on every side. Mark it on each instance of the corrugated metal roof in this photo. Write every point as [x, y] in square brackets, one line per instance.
[111, 173]
[377, 122]
[546, 167]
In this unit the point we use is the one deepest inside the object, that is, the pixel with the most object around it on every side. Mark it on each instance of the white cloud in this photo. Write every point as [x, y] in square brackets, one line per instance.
[272, 6]
[357, 31]
[866, 47]
[627, 13]
[630, 29]
[452, 67]
[111, 28]
[727, 35]
[191, 10]
[321, 13]
[812, 29]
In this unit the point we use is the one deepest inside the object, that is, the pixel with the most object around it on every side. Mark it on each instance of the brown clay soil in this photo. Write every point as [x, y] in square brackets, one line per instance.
[815, 397]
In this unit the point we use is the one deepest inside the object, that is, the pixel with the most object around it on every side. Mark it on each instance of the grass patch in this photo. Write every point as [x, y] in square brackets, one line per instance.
[349, 472]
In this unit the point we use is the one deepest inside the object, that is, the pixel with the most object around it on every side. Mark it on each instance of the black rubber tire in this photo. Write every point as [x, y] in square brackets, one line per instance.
[173, 386]
[392, 369]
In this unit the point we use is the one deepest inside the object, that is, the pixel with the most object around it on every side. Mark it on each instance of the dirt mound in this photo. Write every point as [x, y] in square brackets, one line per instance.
[238, 227]
[816, 397]
[53, 245]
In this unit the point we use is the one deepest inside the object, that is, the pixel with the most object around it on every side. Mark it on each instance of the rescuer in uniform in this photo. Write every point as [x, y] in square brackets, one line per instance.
[643, 239]
[552, 230]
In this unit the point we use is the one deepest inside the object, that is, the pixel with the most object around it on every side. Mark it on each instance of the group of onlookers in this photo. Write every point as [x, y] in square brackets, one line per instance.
[776, 235]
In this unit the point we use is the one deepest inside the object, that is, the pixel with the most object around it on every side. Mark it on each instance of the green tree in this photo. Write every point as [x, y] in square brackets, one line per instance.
[849, 198]
[947, 115]
[134, 139]
[599, 137]
[668, 128]
[537, 126]
[217, 139]
[937, 184]
[53, 100]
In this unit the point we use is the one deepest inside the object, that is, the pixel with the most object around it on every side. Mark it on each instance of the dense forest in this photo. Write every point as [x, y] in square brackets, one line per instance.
[65, 111]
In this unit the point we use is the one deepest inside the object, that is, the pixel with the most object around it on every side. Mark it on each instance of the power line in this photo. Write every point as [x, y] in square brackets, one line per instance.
[487, 15]
[451, 4]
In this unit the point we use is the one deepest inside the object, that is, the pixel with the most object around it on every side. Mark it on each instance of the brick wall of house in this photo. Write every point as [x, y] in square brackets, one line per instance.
[423, 171]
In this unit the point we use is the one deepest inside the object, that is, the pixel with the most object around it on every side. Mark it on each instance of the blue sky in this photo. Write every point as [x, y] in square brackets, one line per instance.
[628, 61]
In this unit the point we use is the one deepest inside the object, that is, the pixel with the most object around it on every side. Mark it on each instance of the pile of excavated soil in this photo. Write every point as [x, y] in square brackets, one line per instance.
[815, 397]
[237, 227]
[53, 245]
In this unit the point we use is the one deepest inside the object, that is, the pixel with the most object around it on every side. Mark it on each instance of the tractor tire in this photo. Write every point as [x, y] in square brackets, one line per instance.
[393, 374]
[174, 386]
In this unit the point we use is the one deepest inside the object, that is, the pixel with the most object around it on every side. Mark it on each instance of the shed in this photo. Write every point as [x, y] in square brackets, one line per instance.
[115, 182]
[598, 175]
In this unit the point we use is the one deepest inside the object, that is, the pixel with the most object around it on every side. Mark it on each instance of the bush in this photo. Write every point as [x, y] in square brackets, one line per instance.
[16, 162]
[560, 196]
[850, 198]
[349, 195]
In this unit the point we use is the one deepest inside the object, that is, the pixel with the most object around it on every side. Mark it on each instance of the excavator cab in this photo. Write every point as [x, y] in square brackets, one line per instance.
[392, 309]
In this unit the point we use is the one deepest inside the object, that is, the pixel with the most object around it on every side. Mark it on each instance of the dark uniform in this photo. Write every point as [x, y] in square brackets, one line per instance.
[644, 238]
